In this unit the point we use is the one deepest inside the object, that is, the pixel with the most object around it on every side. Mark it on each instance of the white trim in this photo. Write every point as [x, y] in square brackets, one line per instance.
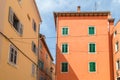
[94, 30]
[95, 67]
[61, 67]
[68, 48]
[62, 30]
[89, 47]
[10, 63]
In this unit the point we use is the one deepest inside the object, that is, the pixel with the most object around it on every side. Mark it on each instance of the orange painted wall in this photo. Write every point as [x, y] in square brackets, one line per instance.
[45, 56]
[78, 39]
[116, 55]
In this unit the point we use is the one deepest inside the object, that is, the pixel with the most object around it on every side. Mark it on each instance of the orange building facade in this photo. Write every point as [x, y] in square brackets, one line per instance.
[45, 60]
[116, 55]
[84, 45]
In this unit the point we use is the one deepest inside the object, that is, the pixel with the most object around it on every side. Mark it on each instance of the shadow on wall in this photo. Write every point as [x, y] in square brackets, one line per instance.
[70, 75]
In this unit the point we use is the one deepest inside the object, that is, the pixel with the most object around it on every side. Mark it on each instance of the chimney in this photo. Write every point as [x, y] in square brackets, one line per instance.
[78, 9]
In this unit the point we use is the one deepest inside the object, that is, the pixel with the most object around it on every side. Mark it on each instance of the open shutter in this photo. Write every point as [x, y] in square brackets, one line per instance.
[10, 18]
[20, 29]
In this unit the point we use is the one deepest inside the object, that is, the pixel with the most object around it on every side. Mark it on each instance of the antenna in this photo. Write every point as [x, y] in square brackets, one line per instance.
[95, 6]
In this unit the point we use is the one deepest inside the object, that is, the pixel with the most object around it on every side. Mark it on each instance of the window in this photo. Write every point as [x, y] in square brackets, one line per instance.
[34, 48]
[33, 69]
[13, 55]
[92, 67]
[64, 48]
[118, 65]
[15, 21]
[118, 78]
[116, 46]
[64, 67]
[34, 25]
[41, 65]
[41, 78]
[46, 56]
[91, 30]
[92, 47]
[115, 33]
[65, 31]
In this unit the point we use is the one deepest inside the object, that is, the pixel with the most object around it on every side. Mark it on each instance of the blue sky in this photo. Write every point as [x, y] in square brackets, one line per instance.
[47, 7]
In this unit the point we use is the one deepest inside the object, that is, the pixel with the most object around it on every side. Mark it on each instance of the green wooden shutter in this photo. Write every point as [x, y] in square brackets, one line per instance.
[64, 48]
[64, 67]
[91, 30]
[92, 66]
[92, 47]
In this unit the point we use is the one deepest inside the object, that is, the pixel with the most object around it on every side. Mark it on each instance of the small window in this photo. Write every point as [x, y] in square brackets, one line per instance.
[116, 46]
[91, 30]
[92, 67]
[41, 78]
[46, 56]
[118, 78]
[64, 48]
[64, 67]
[41, 65]
[28, 17]
[92, 47]
[33, 69]
[15, 21]
[115, 33]
[118, 65]
[65, 31]
[34, 25]
[13, 55]
[34, 48]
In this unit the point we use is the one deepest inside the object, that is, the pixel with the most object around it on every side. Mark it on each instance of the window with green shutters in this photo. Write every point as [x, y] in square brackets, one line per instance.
[92, 67]
[64, 48]
[65, 31]
[92, 47]
[64, 67]
[91, 30]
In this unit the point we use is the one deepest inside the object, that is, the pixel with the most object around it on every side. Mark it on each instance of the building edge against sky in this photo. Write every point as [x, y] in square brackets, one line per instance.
[84, 45]
[45, 61]
[19, 33]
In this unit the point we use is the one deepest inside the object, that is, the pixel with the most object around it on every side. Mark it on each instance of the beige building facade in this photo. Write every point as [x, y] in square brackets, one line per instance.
[19, 32]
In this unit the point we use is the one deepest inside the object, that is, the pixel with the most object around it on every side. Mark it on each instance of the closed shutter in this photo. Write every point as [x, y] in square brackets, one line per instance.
[11, 14]
[92, 66]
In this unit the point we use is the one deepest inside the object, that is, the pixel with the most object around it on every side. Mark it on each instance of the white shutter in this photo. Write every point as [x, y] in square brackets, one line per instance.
[11, 14]
[20, 29]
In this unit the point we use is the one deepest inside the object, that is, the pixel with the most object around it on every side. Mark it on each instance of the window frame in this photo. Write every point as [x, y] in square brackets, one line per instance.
[62, 31]
[67, 48]
[118, 64]
[117, 46]
[89, 47]
[94, 31]
[33, 71]
[36, 50]
[34, 25]
[95, 67]
[9, 55]
[67, 67]
[11, 17]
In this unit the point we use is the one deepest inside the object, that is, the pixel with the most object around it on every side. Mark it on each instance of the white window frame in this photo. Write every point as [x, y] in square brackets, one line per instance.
[118, 67]
[33, 72]
[94, 30]
[62, 30]
[117, 46]
[61, 67]
[89, 48]
[9, 56]
[68, 48]
[89, 67]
